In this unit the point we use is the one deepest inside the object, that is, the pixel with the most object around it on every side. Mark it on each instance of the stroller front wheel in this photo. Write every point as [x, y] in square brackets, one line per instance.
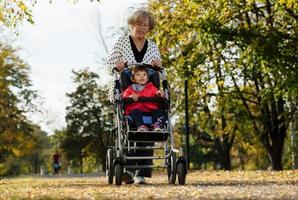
[181, 169]
[118, 173]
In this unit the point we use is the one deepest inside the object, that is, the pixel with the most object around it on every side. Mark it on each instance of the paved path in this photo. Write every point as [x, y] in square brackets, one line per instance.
[199, 185]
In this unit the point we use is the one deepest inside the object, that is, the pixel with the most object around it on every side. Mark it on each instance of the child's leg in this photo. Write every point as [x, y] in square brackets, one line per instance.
[158, 116]
[137, 117]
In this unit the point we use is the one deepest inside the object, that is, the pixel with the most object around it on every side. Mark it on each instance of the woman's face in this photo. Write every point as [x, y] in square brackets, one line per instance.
[140, 29]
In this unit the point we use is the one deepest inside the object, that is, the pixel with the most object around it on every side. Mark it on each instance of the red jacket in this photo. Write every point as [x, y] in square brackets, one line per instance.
[148, 91]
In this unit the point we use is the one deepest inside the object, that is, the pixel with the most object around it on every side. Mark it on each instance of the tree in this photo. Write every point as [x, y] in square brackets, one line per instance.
[85, 119]
[240, 49]
[184, 56]
[12, 13]
[40, 151]
[16, 96]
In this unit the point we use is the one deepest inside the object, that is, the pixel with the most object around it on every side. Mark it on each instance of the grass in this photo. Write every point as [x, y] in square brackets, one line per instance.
[199, 185]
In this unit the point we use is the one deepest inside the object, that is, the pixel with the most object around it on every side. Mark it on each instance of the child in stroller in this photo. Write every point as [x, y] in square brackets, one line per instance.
[133, 142]
[142, 88]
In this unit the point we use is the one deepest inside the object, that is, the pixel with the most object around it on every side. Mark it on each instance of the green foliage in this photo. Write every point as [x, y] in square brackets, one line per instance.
[87, 120]
[14, 12]
[241, 64]
[17, 139]
[31, 161]
[40, 151]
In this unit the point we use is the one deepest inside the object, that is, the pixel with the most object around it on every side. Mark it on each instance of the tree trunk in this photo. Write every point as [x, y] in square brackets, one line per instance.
[273, 138]
[274, 149]
[223, 152]
[241, 156]
[36, 167]
[276, 161]
[226, 160]
[277, 149]
[81, 163]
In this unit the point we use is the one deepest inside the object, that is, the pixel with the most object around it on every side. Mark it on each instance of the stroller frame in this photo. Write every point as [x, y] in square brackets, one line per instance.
[124, 135]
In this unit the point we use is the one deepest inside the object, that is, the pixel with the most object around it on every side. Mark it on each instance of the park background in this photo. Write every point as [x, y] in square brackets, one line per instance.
[238, 59]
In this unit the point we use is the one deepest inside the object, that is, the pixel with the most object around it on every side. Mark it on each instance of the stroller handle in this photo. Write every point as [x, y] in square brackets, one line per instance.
[155, 68]
[130, 65]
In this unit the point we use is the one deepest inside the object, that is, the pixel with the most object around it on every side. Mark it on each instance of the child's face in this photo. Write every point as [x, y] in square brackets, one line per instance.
[140, 77]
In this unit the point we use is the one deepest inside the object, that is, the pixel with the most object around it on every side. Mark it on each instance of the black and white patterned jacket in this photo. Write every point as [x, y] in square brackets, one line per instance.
[122, 51]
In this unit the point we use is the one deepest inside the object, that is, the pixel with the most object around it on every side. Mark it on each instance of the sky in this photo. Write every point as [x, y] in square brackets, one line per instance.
[65, 38]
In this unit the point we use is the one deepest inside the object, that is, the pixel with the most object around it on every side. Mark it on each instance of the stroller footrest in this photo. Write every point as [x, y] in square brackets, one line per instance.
[143, 166]
[147, 136]
[144, 148]
[143, 157]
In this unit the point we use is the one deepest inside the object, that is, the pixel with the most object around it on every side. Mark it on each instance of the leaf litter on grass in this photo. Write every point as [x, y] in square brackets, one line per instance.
[199, 185]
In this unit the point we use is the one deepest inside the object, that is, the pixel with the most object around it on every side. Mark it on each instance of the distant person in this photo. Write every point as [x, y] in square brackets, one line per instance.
[56, 162]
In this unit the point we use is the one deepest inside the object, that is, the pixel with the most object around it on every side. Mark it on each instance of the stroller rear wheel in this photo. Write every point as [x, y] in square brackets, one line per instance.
[118, 173]
[109, 166]
[181, 169]
[172, 168]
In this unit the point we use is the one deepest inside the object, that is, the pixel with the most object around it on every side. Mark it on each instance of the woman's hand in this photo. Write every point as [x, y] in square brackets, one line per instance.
[156, 63]
[160, 93]
[135, 97]
[120, 65]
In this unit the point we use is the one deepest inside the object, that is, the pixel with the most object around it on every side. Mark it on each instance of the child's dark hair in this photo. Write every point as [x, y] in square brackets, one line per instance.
[138, 68]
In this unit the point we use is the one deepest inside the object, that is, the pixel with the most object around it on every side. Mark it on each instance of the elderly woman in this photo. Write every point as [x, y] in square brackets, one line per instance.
[136, 48]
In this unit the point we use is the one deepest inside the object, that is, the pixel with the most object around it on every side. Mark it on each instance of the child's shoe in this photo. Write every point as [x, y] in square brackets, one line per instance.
[143, 128]
[156, 127]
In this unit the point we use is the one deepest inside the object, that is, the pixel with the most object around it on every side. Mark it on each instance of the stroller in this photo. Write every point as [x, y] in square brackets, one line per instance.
[125, 136]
